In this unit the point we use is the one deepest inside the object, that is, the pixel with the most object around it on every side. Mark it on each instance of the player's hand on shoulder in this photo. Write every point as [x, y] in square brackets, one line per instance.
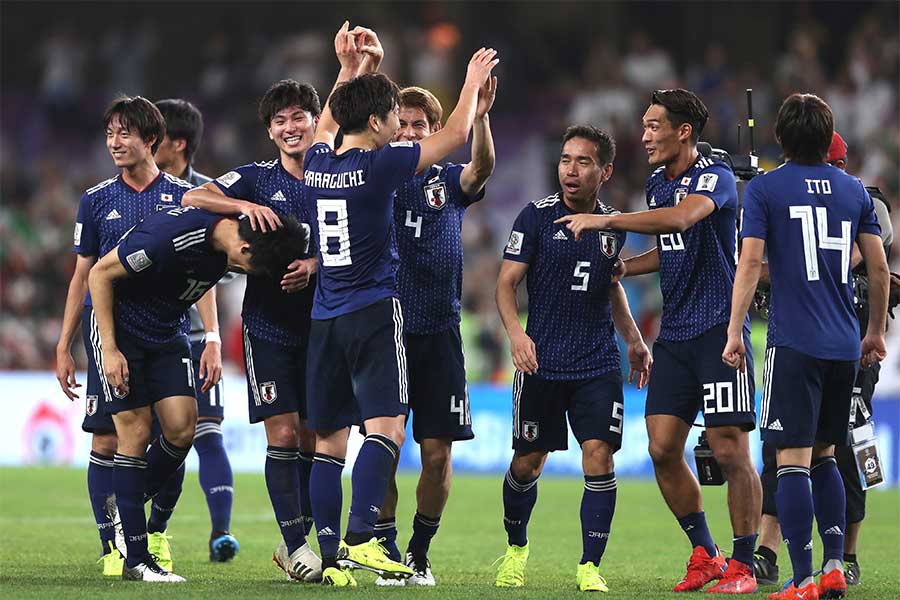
[298, 274]
[487, 93]
[65, 373]
[873, 349]
[210, 365]
[524, 354]
[734, 353]
[345, 48]
[582, 222]
[619, 271]
[115, 367]
[480, 66]
[640, 363]
[261, 217]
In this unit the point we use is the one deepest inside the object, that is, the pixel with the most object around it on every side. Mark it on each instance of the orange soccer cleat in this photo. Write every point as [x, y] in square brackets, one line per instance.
[738, 579]
[832, 584]
[701, 569]
[792, 592]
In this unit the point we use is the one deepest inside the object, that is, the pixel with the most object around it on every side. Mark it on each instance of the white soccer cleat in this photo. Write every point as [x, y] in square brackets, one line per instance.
[112, 511]
[384, 582]
[422, 567]
[150, 572]
[302, 565]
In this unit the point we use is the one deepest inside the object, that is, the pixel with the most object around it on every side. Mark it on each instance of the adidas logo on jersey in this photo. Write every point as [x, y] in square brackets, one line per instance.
[278, 197]
[113, 214]
[775, 426]
[560, 235]
[833, 531]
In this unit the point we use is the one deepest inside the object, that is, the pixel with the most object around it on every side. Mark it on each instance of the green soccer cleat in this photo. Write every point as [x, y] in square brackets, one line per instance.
[112, 562]
[338, 577]
[158, 546]
[512, 570]
[371, 556]
[588, 578]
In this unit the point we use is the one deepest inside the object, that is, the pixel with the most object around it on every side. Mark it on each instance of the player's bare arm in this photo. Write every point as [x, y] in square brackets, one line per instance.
[521, 346]
[455, 133]
[65, 364]
[872, 249]
[745, 282]
[211, 359]
[476, 173]
[639, 358]
[210, 197]
[640, 264]
[351, 57]
[100, 282]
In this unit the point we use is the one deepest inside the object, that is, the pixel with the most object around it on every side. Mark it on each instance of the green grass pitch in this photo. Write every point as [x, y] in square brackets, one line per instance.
[48, 543]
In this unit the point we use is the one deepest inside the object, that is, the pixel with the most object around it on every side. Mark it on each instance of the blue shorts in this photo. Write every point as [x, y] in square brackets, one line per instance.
[96, 419]
[276, 378]
[690, 376]
[211, 403]
[357, 367]
[438, 396]
[805, 399]
[595, 407]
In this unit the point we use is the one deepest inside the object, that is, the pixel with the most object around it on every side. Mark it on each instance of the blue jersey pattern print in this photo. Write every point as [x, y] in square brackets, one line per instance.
[696, 268]
[809, 216]
[350, 200]
[428, 215]
[268, 312]
[171, 264]
[111, 208]
[569, 315]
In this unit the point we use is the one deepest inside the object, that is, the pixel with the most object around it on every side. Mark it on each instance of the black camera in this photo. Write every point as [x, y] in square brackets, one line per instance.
[708, 470]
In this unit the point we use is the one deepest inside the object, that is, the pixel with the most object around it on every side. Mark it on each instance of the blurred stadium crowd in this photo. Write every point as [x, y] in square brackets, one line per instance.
[563, 63]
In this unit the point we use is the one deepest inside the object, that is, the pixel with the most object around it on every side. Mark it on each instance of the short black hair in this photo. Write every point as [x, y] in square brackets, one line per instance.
[271, 252]
[285, 94]
[606, 145]
[683, 106]
[370, 94]
[804, 128]
[139, 114]
[183, 122]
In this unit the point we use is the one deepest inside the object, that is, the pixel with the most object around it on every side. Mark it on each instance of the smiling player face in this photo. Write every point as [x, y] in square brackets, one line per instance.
[292, 129]
[661, 138]
[580, 173]
[413, 125]
[126, 146]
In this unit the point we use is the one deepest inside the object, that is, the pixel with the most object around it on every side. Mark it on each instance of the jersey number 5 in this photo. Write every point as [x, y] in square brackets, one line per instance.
[808, 224]
[334, 233]
[583, 275]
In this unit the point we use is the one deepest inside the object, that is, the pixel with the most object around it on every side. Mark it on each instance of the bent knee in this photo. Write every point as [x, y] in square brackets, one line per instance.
[527, 467]
[597, 458]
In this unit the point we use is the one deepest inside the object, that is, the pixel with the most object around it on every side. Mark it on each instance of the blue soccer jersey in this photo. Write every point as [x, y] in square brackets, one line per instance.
[350, 199]
[809, 216]
[268, 312]
[112, 207]
[171, 264]
[428, 216]
[696, 268]
[569, 315]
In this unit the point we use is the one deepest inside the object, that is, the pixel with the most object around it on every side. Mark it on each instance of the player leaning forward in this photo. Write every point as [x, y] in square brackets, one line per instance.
[807, 214]
[567, 363]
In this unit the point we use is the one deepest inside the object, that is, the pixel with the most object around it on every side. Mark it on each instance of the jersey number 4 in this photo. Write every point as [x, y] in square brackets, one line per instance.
[334, 233]
[808, 223]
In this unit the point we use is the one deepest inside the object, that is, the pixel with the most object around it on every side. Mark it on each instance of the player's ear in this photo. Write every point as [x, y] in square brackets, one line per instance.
[436, 127]
[180, 145]
[685, 131]
[374, 125]
[269, 130]
[607, 172]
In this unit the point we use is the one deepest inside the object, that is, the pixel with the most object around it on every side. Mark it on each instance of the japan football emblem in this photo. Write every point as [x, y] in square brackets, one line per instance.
[90, 406]
[268, 391]
[530, 430]
[436, 195]
[608, 244]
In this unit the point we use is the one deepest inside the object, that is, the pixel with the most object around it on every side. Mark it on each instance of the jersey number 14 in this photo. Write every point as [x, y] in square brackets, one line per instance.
[808, 224]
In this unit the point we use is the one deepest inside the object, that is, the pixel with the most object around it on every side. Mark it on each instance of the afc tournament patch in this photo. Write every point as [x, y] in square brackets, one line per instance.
[138, 261]
[436, 195]
[268, 391]
[530, 430]
[229, 178]
[680, 194]
[78, 227]
[707, 182]
[514, 246]
[90, 405]
[609, 243]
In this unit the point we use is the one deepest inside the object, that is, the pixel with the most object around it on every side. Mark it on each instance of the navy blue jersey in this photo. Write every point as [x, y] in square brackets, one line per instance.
[350, 197]
[569, 315]
[268, 312]
[809, 216]
[696, 268]
[428, 215]
[171, 264]
[109, 209]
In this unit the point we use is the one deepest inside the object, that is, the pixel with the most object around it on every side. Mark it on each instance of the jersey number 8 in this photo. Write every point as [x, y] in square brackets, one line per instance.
[334, 237]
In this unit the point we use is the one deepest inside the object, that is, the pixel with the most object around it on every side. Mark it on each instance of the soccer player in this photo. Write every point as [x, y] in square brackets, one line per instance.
[428, 215]
[134, 130]
[165, 264]
[808, 215]
[693, 206]
[567, 362]
[276, 323]
[184, 128]
[356, 360]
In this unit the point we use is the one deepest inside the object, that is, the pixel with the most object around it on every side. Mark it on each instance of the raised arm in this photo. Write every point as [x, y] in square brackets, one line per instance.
[674, 219]
[100, 282]
[351, 58]
[476, 173]
[65, 365]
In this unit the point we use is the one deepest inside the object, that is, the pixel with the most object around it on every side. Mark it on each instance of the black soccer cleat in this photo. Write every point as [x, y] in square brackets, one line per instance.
[766, 572]
[851, 571]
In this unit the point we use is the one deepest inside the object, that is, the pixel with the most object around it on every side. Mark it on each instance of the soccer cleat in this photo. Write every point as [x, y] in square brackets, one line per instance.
[421, 567]
[512, 570]
[832, 584]
[371, 556]
[112, 511]
[302, 565]
[738, 579]
[792, 592]
[338, 577]
[222, 546]
[588, 578]
[385, 582]
[766, 572]
[851, 572]
[701, 569]
[150, 571]
[158, 546]
[112, 562]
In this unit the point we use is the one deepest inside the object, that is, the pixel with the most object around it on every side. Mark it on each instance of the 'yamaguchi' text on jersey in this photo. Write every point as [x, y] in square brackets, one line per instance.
[809, 217]
[112, 207]
[696, 268]
[569, 315]
[428, 216]
[171, 264]
[268, 312]
[350, 198]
